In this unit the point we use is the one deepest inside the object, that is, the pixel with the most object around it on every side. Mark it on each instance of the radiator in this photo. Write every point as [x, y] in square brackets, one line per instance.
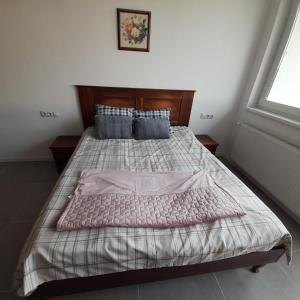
[274, 164]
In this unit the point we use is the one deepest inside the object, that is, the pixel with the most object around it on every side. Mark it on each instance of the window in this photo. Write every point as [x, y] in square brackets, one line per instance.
[281, 92]
[286, 87]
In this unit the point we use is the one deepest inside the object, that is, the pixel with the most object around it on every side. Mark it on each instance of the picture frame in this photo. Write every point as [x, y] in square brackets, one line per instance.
[133, 29]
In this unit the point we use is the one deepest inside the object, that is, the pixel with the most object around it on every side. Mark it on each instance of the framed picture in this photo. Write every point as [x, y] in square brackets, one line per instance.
[133, 29]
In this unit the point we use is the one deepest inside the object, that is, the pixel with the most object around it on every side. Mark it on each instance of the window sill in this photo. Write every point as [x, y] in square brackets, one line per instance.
[273, 116]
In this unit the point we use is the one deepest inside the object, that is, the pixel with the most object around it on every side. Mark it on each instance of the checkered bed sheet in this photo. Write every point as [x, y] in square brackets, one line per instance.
[51, 255]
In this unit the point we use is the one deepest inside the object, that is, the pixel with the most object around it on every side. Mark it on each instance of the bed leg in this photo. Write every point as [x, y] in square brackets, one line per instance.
[256, 268]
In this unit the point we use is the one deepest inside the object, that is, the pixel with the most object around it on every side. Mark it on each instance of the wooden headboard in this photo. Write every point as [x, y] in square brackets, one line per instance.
[179, 101]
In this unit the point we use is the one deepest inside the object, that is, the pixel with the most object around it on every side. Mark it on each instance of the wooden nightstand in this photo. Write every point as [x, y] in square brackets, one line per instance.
[62, 149]
[207, 142]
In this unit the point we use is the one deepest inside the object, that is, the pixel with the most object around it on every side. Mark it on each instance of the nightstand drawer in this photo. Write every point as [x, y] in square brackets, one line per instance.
[211, 148]
[207, 142]
[61, 157]
[62, 149]
[62, 154]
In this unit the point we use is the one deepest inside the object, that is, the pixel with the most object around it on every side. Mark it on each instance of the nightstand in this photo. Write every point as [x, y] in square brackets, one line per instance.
[62, 149]
[207, 142]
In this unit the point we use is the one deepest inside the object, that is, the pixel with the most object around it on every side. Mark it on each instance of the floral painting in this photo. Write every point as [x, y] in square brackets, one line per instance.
[133, 30]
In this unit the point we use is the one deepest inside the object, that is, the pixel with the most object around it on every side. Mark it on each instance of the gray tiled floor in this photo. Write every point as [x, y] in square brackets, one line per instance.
[20, 206]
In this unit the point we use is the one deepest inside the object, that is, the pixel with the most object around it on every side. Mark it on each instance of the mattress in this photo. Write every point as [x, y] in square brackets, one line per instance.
[51, 255]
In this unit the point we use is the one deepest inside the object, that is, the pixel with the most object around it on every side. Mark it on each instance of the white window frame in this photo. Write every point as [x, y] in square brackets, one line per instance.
[285, 14]
[285, 110]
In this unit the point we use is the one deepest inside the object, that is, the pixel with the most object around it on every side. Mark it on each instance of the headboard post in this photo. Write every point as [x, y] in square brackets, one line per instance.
[180, 101]
[88, 108]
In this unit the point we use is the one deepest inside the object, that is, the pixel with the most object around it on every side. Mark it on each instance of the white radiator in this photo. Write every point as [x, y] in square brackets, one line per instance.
[274, 164]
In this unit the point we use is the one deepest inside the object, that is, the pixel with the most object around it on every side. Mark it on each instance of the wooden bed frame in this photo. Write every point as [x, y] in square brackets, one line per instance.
[180, 102]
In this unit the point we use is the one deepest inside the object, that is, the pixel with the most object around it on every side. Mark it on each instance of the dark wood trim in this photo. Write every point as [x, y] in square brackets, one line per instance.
[180, 101]
[119, 10]
[62, 149]
[60, 287]
[134, 89]
[208, 142]
[65, 142]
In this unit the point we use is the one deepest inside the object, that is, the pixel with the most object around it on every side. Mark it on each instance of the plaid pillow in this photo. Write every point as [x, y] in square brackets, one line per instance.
[154, 114]
[105, 110]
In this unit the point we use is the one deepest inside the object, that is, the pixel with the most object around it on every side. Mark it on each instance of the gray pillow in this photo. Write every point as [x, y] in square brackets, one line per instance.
[113, 127]
[145, 129]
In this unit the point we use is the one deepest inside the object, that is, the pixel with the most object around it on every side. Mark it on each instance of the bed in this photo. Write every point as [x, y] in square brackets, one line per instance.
[55, 262]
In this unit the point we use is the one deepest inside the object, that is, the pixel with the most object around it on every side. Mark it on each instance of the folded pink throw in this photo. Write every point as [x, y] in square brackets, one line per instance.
[136, 199]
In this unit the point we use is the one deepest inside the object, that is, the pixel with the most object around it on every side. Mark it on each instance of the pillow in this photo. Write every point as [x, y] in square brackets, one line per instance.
[113, 127]
[105, 110]
[145, 129]
[155, 114]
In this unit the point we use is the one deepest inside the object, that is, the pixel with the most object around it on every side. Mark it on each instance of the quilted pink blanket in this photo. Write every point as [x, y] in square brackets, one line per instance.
[135, 199]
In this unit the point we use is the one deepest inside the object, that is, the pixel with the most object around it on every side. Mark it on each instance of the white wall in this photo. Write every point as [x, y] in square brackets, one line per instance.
[274, 165]
[48, 46]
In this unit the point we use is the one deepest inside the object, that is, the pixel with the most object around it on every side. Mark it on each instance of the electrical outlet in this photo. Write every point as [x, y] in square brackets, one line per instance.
[206, 116]
[49, 114]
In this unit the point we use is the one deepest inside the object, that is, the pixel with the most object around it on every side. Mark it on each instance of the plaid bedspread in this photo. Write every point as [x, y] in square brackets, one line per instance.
[51, 255]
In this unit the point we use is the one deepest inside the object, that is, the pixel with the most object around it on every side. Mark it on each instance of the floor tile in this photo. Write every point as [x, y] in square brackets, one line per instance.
[12, 197]
[7, 270]
[20, 172]
[13, 240]
[3, 167]
[3, 227]
[29, 172]
[293, 270]
[10, 295]
[192, 287]
[121, 293]
[270, 284]
[35, 200]
[4, 295]
[48, 172]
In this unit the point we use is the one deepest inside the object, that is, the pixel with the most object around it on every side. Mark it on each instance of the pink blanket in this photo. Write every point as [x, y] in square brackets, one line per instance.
[136, 199]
